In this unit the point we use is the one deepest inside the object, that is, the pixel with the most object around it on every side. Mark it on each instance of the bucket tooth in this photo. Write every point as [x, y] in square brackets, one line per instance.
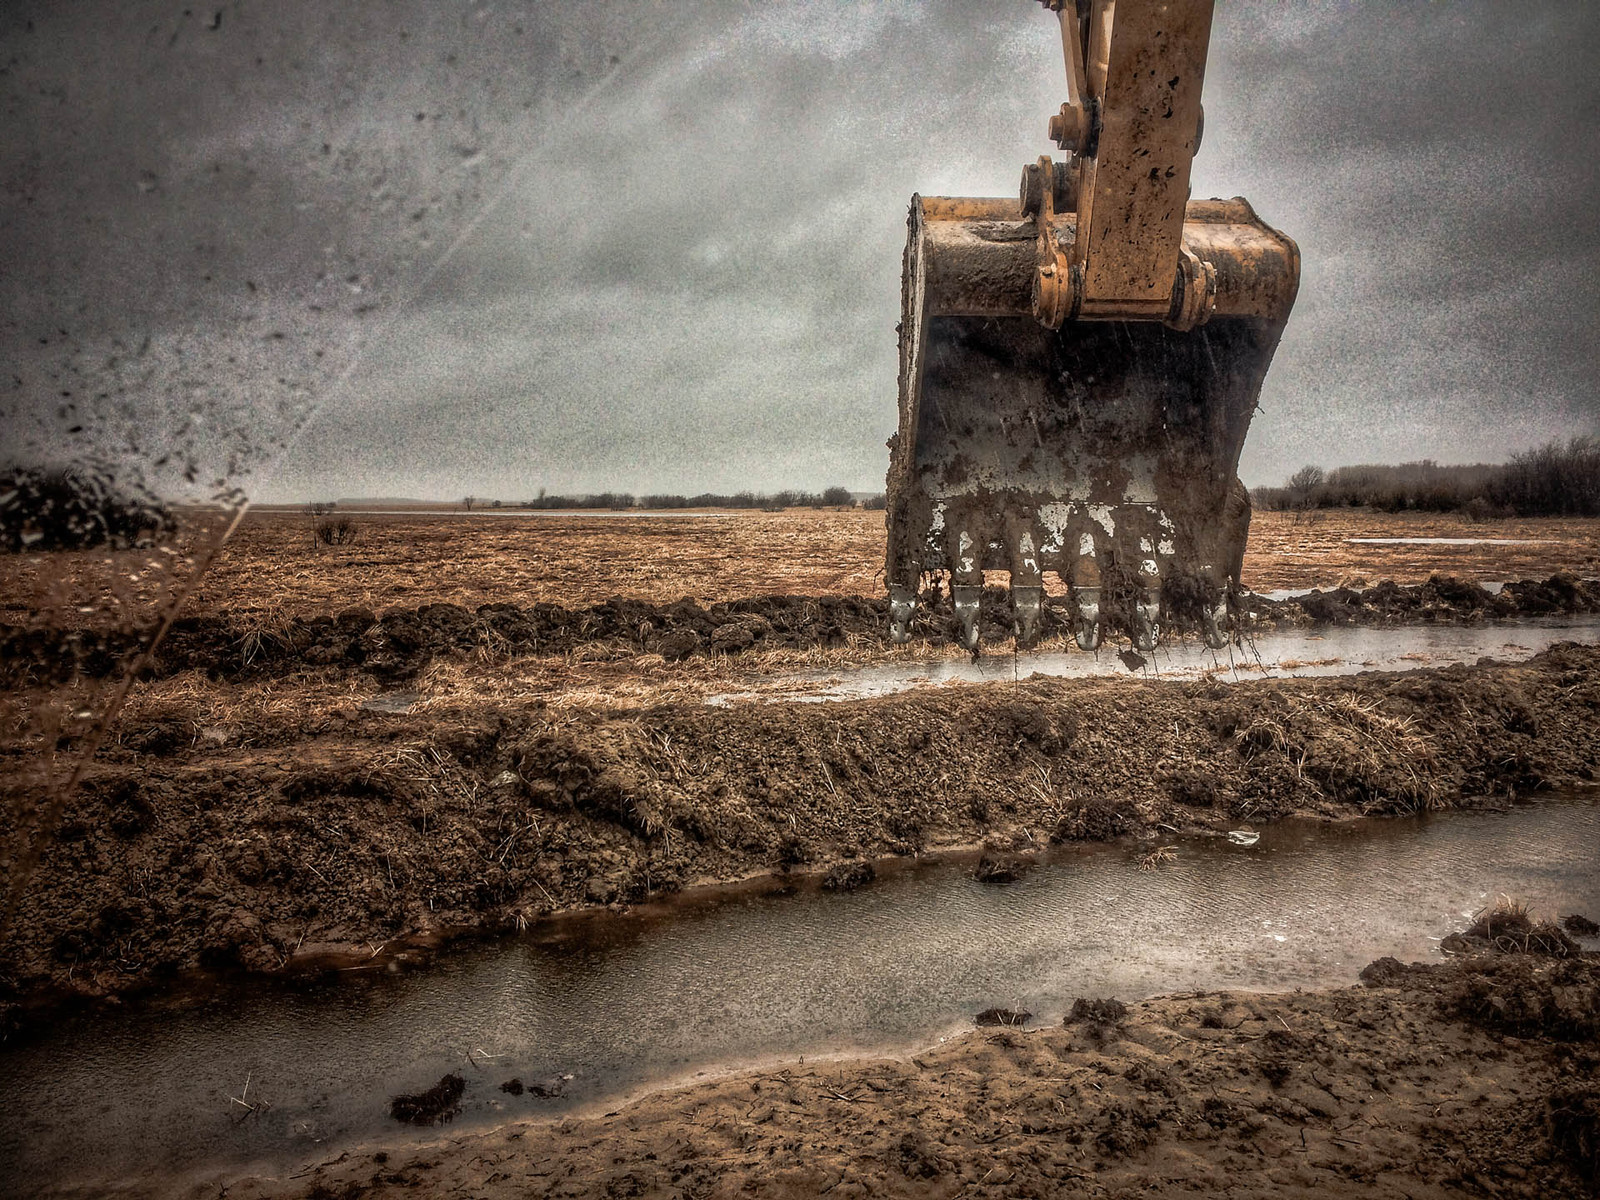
[1213, 620]
[1027, 581]
[902, 611]
[1146, 631]
[1087, 627]
[966, 597]
[1027, 601]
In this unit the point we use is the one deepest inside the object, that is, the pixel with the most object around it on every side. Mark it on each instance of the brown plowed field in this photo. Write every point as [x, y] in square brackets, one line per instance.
[577, 559]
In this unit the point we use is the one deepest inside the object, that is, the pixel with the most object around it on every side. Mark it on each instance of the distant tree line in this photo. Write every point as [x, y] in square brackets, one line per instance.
[1558, 479]
[833, 497]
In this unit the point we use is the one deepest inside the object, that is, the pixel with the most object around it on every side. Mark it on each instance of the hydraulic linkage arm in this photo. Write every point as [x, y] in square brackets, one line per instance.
[1078, 366]
[1132, 122]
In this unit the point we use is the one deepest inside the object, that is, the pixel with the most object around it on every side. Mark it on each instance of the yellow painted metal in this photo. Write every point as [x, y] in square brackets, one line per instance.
[1079, 366]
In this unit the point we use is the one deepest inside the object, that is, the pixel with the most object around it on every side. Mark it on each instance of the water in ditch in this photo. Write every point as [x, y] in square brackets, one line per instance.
[622, 1003]
[1325, 650]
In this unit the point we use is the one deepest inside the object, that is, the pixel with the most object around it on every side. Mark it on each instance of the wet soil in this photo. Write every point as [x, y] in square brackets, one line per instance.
[274, 567]
[305, 847]
[1471, 1077]
[401, 642]
[435, 1105]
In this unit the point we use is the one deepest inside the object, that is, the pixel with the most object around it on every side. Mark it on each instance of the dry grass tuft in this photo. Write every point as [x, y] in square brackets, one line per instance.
[1510, 927]
[1161, 854]
[1348, 749]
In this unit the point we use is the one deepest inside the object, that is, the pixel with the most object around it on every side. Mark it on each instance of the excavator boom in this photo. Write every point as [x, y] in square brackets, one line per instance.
[1079, 365]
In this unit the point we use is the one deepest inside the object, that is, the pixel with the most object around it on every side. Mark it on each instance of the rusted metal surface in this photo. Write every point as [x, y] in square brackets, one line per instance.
[1078, 367]
[1133, 188]
[980, 254]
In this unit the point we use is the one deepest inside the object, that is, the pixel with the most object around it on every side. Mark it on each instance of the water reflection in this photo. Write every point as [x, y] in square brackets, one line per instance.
[622, 1003]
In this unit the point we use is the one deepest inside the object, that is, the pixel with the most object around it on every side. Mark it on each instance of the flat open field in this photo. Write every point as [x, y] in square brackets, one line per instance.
[273, 565]
[576, 559]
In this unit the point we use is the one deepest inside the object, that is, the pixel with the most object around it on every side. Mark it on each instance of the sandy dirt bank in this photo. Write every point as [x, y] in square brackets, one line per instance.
[1470, 1078]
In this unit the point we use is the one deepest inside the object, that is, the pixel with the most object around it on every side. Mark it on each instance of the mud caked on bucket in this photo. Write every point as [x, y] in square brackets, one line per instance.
[1078, 366]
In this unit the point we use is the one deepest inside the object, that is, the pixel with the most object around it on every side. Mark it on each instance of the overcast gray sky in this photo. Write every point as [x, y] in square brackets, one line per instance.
[431, 248]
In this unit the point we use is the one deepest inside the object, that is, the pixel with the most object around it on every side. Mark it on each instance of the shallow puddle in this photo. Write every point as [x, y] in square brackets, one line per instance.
[392, 702]
[1335, 650]
[622, 1003]
[1494, 587]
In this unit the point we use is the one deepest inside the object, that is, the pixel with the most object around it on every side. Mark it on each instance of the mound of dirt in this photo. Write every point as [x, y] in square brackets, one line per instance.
[1505, 988]
[283, 849]
[1579, 925]
[1524, 997]
[1107, 1011]
[401, 642]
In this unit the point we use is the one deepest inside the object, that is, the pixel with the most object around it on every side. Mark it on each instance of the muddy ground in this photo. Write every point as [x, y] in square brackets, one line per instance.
[247, 813]
[295, 841]
[1479, 1077]
[401, 642]
[273, 567]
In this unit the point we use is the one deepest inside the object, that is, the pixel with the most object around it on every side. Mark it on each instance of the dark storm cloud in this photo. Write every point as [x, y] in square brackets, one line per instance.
[494, 247]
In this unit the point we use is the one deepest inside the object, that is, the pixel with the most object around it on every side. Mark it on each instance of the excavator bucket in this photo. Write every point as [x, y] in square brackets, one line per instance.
[1076, 380]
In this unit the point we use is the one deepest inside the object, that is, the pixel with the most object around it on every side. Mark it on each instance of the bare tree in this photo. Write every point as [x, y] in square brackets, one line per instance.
[1307, 479]
[316, 510]
[1304, 483]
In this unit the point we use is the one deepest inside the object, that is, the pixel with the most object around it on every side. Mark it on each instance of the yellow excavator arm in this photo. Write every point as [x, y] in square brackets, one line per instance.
[1078, 366]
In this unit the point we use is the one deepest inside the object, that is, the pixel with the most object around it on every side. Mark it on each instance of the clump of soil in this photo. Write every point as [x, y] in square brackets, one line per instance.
[848, 876]
[996, 867]
[1510, 929]
[1107, 1011]
[916, 1158]
[1389, 972]
[512, 1087]
[1529, 997]
[1572, 1119]
[78, 507]
[438, 1104]
[1002, 1016]
[1579, 925]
